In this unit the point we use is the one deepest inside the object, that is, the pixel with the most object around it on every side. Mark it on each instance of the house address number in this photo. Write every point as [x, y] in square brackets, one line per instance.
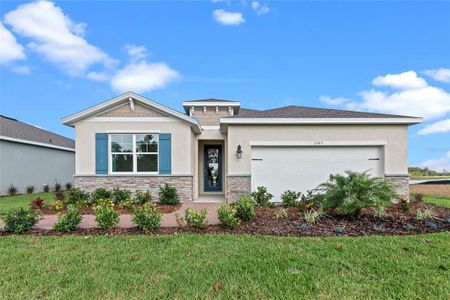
[318, 142]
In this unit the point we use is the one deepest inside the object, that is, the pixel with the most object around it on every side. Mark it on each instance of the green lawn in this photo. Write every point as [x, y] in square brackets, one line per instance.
[187, 266]
[441, 201]
[14, 202]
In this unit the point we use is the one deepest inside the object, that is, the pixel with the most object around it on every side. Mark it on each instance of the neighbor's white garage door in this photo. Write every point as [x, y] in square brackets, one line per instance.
[304, 168]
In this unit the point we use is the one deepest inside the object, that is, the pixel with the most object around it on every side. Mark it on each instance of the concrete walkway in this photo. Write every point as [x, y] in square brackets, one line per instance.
[46, 222]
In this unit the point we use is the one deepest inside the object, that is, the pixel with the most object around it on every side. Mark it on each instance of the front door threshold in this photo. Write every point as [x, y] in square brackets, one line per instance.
[210, 198]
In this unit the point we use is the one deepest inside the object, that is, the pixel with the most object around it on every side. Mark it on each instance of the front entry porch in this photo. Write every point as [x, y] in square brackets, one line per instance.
[211, 167]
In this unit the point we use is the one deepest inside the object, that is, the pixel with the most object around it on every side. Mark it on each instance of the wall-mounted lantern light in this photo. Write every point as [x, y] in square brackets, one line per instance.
[239, 152]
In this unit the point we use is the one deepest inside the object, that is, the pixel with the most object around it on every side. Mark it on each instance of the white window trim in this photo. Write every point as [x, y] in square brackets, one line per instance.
[134, 153]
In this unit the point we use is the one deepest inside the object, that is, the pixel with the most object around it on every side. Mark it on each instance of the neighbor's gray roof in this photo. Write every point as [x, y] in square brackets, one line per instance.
[309, 112]
[12, 128]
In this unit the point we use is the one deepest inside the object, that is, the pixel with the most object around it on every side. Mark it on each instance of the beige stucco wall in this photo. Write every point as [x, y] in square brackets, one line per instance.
[182, 142]
[396, 137]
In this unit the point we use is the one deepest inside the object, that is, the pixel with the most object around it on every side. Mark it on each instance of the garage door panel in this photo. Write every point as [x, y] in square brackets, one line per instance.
[304, 168]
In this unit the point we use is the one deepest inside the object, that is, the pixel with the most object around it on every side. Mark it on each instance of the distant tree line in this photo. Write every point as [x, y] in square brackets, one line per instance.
[416, 171]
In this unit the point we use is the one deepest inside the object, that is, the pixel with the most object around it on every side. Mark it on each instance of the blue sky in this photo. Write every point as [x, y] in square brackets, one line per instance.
[60, 57]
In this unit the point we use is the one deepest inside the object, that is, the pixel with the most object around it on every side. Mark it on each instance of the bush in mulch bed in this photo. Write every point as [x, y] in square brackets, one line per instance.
[20, 221]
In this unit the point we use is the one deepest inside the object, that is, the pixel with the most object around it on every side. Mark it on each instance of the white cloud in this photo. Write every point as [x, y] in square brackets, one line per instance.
[24, 70]
[10, 50]
[438, 127]
[439, 74]
[136, 53]
[260, 9]
[143, 77]
[428, 102]
[228, 18]
[333, 101]
[438, 164]
[55, 36]
[98, 76]
[403, 81]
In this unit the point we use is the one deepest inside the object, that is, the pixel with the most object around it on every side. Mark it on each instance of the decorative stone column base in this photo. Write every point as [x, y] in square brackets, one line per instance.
[183, 184]
[237, 185]
[401, 184]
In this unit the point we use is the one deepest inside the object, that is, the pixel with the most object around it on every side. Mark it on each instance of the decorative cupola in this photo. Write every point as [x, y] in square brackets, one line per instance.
[209, 111]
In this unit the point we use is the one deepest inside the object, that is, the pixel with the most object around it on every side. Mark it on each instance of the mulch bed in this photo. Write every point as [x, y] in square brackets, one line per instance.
[266, 223]
[162, 208]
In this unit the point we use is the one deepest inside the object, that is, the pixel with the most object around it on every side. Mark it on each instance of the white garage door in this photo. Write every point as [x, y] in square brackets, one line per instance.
[304, 168]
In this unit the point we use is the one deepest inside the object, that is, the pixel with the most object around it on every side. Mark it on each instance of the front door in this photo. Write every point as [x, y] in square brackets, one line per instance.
[213, 168]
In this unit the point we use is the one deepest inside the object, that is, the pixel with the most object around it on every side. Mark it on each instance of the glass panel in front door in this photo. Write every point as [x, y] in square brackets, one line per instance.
[213, 176]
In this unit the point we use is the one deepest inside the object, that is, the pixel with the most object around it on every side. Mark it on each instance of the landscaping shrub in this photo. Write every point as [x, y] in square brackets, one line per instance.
[60, 195]
[77, 197]
[30, 189]
[57, 187]
[100, 193]
[196, 219]
[245, 208]
[290, 198]
[168, 195]
[147, 217]
[105, 215]
[119, 195]
[46, 188]
[12, 190]
[57, 205]
[37, 203]
[143, 197]
[262, 197]
[404, 205]
[379, 211]
[311, 200]
[68, 186]
[227, 216]
[127, 204]
[68, 221]
[20, 220]
[348, 194]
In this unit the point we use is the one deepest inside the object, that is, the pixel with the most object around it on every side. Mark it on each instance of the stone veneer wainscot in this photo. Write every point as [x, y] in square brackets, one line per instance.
[401, 185]
[183, 184]
[237, 185]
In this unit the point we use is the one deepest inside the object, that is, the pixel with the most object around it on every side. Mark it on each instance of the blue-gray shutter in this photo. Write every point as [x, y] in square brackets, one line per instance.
[101, 153]
[165, 153]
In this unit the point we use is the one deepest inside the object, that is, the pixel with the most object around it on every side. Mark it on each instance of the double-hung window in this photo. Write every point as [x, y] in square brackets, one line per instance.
[134, 153]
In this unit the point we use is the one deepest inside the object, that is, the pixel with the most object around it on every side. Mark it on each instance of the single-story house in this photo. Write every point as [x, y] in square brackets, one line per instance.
[31, 156]
[216, 149]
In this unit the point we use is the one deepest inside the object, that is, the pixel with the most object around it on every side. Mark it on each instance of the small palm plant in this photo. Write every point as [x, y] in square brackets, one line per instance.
[348, 194]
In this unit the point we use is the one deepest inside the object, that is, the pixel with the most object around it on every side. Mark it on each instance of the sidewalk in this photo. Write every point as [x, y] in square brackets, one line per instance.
[46, 221]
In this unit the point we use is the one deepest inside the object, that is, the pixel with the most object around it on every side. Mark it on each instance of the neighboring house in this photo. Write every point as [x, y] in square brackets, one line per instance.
[218, 149]
[33, 156]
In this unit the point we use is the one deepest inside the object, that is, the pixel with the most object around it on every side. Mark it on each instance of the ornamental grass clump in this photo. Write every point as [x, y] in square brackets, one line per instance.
[105, 215]
[147, 218]
[424, 214]
[312, 216]
[68, 221]
[227, 216]
[245, 208]
[348, 194]
[30, 189]
[20, 221]
[12, 190]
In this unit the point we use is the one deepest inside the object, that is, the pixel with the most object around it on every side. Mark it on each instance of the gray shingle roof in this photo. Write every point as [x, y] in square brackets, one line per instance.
[12, 128]
[309, 112]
